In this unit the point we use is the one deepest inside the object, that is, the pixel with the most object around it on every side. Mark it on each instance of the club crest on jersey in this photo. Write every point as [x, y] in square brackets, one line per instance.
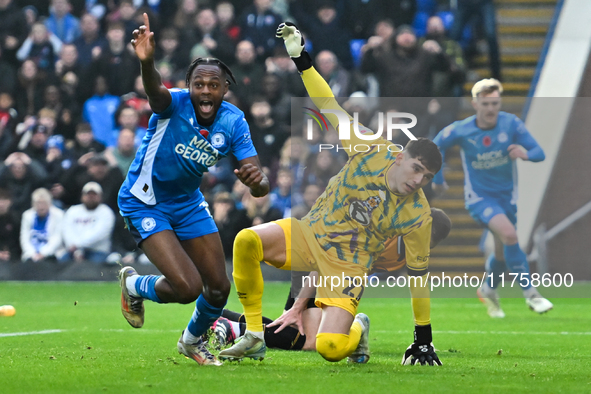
[218, 140]
[148, 224]
[360, 211]
[502, 137]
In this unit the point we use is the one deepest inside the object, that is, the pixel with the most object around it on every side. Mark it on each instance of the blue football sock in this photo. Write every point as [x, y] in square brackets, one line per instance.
[203, 317]
[144, 285]
[517, 263]
[496, 268]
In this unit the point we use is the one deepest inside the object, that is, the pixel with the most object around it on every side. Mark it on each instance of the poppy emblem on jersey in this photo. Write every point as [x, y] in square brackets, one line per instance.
[218, 140]
[360, 211]
[204, 132]
[486, 141]
[502, 137]
[148, 224]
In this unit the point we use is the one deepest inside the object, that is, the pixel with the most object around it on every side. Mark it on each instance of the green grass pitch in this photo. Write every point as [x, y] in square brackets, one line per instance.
[93, 349]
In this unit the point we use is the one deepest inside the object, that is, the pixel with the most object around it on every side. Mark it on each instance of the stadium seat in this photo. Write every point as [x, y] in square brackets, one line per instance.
[419, 23]
[355, 46]
[426, 6]
[448, 19]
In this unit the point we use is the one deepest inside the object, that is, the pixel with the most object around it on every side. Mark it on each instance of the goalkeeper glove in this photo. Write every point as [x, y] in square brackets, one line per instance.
[294, 43]
[422, 350]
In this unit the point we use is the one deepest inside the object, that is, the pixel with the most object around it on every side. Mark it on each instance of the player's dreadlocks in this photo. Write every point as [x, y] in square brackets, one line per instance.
[212, 61]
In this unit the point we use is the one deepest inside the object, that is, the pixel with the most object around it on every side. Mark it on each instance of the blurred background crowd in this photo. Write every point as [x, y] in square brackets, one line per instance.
[73, 110]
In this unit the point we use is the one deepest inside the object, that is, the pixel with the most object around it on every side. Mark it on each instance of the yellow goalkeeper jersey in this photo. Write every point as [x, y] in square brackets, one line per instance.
[358, 213]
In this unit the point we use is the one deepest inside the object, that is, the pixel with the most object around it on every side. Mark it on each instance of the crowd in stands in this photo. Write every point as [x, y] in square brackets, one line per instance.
[73, 110]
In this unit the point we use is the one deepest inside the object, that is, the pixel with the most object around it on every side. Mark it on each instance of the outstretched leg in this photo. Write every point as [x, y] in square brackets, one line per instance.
[266, 242]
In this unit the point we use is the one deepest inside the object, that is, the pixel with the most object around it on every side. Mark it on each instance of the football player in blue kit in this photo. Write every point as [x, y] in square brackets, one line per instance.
[191, 130]
[491, 141]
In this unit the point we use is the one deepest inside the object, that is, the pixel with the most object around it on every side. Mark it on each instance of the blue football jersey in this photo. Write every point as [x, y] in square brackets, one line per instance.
[488, 169]
[177, 150]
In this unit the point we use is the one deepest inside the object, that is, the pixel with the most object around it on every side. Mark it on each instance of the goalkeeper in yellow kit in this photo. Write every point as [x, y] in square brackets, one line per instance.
[375, 197]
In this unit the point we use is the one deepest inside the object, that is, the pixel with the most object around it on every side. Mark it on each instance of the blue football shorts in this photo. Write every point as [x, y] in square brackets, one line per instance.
[483, 211]
[188, 218]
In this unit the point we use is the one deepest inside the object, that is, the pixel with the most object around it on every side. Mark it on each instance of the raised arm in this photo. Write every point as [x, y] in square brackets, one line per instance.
[319, 90]
[144, 45]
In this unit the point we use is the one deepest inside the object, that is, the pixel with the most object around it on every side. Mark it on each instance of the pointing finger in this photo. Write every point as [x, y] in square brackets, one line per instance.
[147, 21]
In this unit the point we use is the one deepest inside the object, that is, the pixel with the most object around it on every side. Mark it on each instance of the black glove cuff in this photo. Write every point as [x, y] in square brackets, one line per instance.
[303, 62]
[423, 335]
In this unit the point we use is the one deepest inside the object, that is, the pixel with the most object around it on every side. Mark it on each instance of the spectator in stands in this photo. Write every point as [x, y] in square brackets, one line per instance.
[84, 142]
[322, 166]
[358, 103]
[116, 63]
[281, 65]
[185, 14]
[29, 91]
[309, 196]
[69, 73]
[139, 100]
[7, 124]
[281, 196]
[446, 84]
[91, 42]
[57, 159]
[10, 225]
[259, 209]
[42, 47]
[121, 156]
[402, 12]
[62, 23]
[68, 61]
[360, 16]
[128, 118]
[13, 30]
[99, 111]
[21, 176]
[41, 229]
[383, 36]
[66, 111]
[229, 220]
[406, 69]
[293, 156]
[169, 50]
[92, 167]
[267, 136]
[126, 13]
[465, 11]
[247, 71]
[337, 77]
[88, 227]
[35, 147]
[31, 15]
[258, 24]
[224, 12]
[272, 90]
[207, 39]
[323, 29]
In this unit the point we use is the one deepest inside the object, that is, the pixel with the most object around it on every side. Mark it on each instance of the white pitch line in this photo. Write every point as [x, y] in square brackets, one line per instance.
[18, 334]
[498, 332]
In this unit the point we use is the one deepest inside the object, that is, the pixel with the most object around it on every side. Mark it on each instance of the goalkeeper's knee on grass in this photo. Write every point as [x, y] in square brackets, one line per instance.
[333, 347]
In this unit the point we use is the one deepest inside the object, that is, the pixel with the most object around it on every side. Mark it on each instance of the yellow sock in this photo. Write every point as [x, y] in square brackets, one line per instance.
[248, 253]
[335, 347]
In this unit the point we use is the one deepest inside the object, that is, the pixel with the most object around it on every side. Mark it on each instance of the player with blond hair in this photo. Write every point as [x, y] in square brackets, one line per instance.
[491, 141]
